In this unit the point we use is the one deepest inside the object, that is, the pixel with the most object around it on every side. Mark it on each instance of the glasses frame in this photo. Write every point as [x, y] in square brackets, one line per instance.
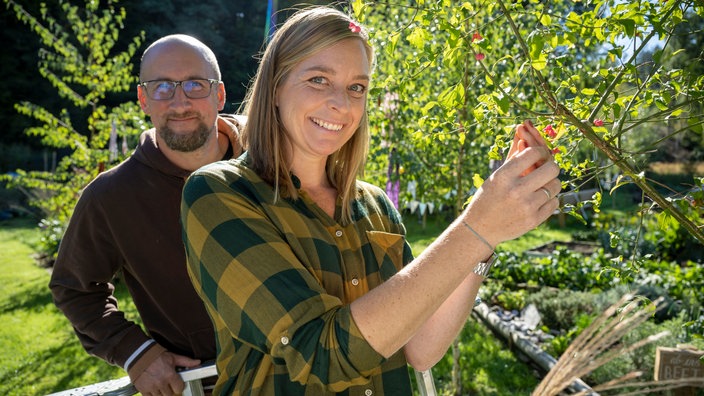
[175, 84]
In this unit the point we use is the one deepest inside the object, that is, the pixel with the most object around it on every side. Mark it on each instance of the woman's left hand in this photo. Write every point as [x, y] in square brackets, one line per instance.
[526, 136]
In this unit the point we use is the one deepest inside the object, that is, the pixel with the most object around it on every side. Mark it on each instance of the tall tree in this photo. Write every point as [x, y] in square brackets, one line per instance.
[437, 63]
[561, 66]
[78, 57]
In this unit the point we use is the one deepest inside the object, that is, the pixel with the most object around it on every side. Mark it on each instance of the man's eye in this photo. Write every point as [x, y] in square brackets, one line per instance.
[194, 85]
[163, 86]
[317, 80]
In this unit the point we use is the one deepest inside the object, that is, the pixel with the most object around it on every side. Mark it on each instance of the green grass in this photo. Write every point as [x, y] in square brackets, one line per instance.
[487, 365]
[40, 353]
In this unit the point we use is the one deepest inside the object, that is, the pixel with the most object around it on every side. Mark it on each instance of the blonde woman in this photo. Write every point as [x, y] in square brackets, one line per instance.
[305, 269]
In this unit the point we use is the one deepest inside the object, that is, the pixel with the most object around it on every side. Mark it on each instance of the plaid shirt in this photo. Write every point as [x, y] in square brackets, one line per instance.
[278, 277]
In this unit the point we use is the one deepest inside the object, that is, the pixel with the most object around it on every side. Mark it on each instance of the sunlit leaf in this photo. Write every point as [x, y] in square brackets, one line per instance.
[477, 180]
[545, 20]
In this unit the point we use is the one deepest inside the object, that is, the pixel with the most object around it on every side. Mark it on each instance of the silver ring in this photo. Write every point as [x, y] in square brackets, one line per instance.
[547, 192]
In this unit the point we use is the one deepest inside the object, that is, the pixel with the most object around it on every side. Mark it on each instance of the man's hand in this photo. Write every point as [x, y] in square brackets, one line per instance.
[161, 378]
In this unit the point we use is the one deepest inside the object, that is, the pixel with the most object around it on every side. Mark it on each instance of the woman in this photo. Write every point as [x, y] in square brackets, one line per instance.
[305, 270]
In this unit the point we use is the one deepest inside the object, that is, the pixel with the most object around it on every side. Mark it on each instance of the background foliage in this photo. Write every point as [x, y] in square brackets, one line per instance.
[613, 85]
[610, 84]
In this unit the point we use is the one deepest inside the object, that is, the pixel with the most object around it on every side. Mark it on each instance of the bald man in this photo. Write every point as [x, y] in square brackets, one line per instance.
[126, 222]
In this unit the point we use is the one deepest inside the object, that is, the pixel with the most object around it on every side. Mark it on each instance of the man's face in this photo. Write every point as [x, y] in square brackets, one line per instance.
[183, 124]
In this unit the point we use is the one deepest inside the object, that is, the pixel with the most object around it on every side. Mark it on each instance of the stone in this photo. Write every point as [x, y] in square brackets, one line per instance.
[531, 316]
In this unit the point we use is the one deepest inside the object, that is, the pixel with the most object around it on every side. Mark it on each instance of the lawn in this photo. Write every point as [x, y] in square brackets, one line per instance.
[41, 354]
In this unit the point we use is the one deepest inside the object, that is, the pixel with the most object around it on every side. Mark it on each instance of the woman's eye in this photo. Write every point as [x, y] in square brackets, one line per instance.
[358, 88]
[317, 80]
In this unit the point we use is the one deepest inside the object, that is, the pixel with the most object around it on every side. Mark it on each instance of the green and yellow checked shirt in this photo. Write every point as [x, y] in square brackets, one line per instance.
[277, 279]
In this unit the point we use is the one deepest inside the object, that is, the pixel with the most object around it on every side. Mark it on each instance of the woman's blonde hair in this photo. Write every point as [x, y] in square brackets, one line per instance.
[303, 34]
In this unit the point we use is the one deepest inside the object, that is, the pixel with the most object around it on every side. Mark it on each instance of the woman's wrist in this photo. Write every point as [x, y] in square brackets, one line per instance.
[481, 238]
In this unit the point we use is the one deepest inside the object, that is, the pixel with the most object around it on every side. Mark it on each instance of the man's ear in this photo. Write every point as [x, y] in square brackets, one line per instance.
[142, 97]
[221, 96]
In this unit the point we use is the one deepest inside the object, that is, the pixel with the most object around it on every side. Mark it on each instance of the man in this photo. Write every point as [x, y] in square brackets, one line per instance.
[127, 222]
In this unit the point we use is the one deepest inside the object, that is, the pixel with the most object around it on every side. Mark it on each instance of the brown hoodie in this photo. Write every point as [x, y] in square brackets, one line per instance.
[126, 222]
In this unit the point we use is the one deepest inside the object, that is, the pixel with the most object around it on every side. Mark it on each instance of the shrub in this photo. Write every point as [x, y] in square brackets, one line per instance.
[560, 308]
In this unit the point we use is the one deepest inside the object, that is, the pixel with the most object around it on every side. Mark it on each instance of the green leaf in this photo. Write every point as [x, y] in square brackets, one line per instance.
[599, 29]
[502, 101]
[477, 180]
[536, 46]
[418, 37]
[452, 97]
[358, 8]
[661, 105]
[428, 107]
[540, 62]
[629, 26]
[478, 113]
[622, 180]
[545, 20]
[393, 41]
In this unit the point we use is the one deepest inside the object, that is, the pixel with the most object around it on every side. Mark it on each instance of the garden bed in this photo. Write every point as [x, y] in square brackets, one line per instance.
[581, 247]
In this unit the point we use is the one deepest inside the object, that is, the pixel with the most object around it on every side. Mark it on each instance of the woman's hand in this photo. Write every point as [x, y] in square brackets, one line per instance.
[521, 194]
[526, 136]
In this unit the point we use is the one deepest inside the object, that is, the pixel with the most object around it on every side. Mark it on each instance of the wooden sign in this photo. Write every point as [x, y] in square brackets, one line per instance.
[676, 363]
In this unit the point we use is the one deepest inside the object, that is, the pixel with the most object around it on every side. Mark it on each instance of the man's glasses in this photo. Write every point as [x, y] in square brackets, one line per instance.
[165, 89]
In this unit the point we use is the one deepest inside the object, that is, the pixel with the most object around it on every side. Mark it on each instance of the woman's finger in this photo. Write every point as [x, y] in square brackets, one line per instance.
[531, 135]
[514, 149]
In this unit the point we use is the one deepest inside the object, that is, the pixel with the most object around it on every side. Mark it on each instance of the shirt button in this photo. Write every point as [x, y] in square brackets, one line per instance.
[284, 340]
[368, 392]
[338, 233]
[355, 281]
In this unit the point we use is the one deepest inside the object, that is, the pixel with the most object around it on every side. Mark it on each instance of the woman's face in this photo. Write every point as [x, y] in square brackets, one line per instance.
[322, 100]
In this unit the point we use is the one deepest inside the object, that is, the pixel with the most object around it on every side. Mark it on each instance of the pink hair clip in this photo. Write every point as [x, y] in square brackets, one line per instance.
[355, 28]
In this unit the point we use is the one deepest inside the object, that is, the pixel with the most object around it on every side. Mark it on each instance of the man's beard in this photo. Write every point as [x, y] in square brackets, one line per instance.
[185, 142]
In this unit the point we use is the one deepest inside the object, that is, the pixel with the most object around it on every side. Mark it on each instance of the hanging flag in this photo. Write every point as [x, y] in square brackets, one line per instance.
[393, 184]
[125, 149]
[112, 147]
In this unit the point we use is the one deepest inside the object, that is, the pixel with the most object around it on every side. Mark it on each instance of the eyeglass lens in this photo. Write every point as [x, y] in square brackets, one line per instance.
[164, 90]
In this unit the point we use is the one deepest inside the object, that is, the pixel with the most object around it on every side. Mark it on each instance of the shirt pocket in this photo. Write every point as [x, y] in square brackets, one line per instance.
[388, 252]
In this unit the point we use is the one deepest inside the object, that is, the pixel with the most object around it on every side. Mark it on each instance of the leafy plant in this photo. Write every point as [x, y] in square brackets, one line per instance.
[80, 60]
[561, 308]
[455, 78]
[511, 299]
